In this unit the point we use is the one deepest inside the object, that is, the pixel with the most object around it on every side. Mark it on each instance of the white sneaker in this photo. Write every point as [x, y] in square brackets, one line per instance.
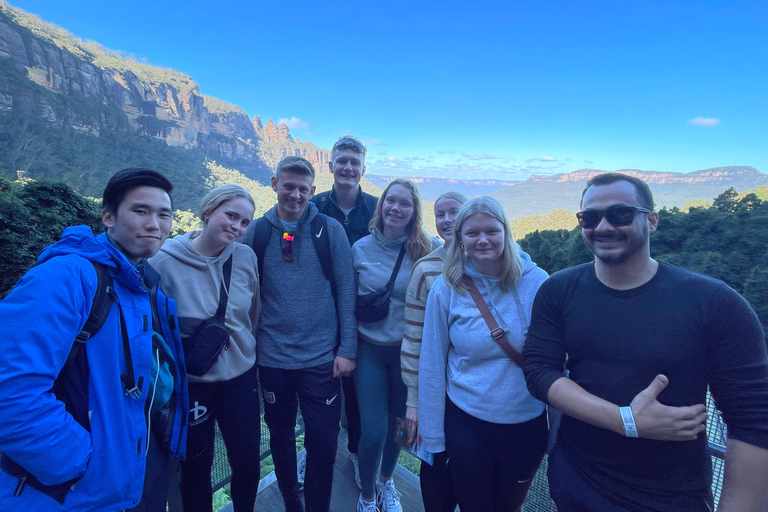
[356, 465]
[387, 497]
[302, 470]
[366, 506]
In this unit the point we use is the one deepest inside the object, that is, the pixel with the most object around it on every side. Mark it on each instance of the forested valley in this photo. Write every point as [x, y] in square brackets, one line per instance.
[727, 239]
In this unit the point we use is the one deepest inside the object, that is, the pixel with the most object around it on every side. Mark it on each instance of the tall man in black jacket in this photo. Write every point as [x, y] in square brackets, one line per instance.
[353, 208]
[644, 340]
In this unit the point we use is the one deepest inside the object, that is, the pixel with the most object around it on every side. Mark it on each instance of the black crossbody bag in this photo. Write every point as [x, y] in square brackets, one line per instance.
[373, 307]
[203, 346]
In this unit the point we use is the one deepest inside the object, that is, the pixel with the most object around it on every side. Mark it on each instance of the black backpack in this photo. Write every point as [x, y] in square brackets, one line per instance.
[72, 390]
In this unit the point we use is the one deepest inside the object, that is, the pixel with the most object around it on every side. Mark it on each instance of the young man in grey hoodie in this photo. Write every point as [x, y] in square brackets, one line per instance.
[307, 339]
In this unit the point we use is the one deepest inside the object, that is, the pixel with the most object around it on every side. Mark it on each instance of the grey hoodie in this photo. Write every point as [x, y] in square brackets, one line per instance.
[459, 357]
[298, 324]
[375, 259]
[195, 282]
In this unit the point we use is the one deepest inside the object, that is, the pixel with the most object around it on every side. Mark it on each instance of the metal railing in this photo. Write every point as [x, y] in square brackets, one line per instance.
[538, 497]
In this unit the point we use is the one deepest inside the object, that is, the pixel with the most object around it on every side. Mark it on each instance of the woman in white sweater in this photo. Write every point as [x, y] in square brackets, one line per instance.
[396, 225]
[473, 401]
[193, 267]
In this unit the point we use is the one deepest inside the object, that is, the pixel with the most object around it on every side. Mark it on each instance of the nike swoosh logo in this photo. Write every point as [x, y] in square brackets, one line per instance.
[318, 236]
[330, 400]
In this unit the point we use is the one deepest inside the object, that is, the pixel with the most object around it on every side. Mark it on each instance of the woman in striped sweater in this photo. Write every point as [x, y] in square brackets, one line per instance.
[436, 484]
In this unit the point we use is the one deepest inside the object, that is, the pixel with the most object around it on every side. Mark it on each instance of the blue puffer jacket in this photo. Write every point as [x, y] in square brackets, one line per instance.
[39, 321]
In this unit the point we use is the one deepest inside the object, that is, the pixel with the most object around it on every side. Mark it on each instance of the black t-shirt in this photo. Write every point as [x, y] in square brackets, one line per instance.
[692, 328]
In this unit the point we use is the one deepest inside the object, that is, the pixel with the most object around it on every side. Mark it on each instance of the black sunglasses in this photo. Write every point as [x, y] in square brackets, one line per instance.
[618, 216]
[343, 144]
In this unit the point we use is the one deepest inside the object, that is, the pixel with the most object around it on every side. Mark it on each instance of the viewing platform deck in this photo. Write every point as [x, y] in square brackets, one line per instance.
[346, 493]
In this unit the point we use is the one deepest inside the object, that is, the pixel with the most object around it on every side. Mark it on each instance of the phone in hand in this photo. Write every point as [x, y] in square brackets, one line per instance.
[401, 434]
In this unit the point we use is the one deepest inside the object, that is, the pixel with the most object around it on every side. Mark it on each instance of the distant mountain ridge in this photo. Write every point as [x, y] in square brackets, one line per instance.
[541, 194]
[431, 188]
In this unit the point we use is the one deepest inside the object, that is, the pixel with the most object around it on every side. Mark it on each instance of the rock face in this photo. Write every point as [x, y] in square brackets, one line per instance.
[78, 88]
[46, 71]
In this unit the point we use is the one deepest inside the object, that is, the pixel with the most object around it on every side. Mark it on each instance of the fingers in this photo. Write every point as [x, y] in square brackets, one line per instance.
[657, 386]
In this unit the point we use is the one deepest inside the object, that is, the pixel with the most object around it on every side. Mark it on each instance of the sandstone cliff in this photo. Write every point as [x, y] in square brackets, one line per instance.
[46, 71]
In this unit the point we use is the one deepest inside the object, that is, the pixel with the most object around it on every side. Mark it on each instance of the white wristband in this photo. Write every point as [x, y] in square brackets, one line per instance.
[630, 429]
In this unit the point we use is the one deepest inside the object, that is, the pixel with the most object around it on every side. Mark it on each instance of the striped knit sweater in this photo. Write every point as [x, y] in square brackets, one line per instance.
[425, 272]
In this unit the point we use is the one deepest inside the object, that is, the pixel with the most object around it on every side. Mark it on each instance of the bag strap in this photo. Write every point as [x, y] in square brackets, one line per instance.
[260, 238]
[223, 293]
[392, 278]
[497, 333]
[322, 241]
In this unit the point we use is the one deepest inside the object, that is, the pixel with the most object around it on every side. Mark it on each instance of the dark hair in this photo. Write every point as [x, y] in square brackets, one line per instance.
[644, 195]
[125, 180]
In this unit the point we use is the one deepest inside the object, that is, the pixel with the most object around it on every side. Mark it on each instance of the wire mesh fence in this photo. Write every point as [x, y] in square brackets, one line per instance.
[538, 496]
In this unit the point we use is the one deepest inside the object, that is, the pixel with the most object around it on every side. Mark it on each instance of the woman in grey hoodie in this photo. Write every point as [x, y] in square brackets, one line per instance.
[473, 401]
[192, 270]
[397, 223]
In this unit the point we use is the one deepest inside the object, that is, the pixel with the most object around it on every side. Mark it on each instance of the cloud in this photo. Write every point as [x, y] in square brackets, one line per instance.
[477, 168]
[446, 152]
[307, 134]
[705, 122]
[294, 123]
[469, 155]
[380, 153]
[373, 143]
[588, 162]
[547, 159]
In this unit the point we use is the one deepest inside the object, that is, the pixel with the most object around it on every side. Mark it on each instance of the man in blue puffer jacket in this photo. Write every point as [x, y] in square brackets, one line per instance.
[131, 371]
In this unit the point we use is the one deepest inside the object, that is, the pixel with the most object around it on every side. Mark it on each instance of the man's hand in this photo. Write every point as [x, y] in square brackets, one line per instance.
[343, 367]
[412, 422]
[664, 422]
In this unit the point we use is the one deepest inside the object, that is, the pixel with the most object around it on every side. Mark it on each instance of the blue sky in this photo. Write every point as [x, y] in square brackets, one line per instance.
[471, 89]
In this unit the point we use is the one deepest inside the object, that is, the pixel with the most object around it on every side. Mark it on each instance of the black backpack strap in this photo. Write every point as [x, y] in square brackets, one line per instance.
[102, 302]
[71, 385]
[322, 243]
[261, 233]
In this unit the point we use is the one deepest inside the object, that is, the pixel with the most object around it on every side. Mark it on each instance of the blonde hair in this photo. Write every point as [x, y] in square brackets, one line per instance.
[512, 265]
[221, 195]
[456, 196]
[418, 244]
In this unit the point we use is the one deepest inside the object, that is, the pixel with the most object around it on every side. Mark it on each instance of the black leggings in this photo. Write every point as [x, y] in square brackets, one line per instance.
[437, 485]
[234, 404]
[492, 464]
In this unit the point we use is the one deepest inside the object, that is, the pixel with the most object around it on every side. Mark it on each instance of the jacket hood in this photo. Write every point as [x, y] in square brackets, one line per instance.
[383, 242]
[528, 264]
[310, 212]
[80, 241]
[180, 248]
